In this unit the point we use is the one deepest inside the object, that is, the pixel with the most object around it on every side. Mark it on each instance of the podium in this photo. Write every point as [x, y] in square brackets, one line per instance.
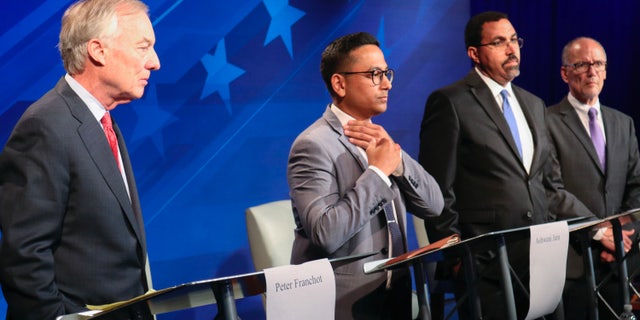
[583, 234]
[221, 291]
[464, 250]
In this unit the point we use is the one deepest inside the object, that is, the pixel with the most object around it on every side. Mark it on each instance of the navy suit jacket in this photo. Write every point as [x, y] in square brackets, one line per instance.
[70, 234]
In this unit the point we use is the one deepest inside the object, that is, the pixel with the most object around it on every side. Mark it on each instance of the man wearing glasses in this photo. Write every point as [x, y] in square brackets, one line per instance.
[484, 140]
[351, 184]
[597, 150]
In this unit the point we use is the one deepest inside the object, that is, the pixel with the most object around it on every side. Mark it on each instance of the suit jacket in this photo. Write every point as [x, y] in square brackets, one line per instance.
[605, 193]
[466, 144]
[338, 203]
[70, 234]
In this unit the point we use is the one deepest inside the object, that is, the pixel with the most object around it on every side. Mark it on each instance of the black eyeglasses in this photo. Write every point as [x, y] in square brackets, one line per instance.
[502, 43]
[584, 66]
[376, 75]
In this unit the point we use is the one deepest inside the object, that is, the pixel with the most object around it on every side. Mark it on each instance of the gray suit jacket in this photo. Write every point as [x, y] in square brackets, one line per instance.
[605, 194]
[70, 234]
[338, 203]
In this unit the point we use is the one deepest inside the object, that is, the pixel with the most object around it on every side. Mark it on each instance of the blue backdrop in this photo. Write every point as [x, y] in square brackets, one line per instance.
[240, 79]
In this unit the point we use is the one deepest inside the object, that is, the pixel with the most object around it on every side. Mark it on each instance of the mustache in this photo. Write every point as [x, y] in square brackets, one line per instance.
[511, 57]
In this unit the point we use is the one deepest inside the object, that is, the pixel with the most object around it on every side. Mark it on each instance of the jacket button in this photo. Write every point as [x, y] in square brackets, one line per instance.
[529, 214]
[385, 251]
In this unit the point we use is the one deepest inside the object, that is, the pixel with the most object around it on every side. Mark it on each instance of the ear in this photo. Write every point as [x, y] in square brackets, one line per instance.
[472, 52]
[339, 85]
[563, 74]
[96, 51]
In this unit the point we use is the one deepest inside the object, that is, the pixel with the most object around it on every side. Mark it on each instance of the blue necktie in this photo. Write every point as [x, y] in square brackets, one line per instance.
[511, 120]
[596, 136]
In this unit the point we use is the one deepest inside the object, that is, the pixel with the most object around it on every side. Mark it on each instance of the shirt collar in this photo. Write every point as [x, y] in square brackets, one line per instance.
[495, 87]
[96, 108]
[342, 116]
[582, 107]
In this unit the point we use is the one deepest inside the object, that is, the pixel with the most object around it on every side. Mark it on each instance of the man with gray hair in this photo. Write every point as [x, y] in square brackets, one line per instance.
[597, 151]
[70, 217]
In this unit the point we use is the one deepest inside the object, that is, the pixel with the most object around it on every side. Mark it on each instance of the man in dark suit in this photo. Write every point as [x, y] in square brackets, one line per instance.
[351, 184]
[607, 181]
[72, 228]
[490, 166]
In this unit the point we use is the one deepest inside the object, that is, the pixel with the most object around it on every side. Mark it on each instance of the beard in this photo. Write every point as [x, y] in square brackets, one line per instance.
[513, 70]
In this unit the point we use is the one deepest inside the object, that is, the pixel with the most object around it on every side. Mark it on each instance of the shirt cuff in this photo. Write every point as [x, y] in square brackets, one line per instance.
[381, 174]
[599, 234]
[400, 169]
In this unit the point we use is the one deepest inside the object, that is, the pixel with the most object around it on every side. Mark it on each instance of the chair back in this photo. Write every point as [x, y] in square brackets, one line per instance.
[270, 227]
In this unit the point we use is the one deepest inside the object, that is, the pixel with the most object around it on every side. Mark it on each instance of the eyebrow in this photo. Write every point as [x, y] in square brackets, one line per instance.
[515, 35]
[146, 40]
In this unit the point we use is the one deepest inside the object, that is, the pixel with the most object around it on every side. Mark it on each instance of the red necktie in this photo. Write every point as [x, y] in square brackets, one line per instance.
[111, 135]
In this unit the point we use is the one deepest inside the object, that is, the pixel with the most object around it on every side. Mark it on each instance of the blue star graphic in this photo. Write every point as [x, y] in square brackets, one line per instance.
[151, 119]
[283, 16]
[220, 73]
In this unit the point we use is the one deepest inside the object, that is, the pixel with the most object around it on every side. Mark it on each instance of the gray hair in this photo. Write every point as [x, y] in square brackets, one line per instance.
[86, 20]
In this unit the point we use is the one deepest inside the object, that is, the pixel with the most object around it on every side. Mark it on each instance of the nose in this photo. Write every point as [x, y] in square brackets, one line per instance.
[385, 84]
[154, 61]
[510, 47]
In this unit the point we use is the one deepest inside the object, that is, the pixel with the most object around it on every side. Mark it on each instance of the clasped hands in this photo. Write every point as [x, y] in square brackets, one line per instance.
[381, 151]
[608, 242]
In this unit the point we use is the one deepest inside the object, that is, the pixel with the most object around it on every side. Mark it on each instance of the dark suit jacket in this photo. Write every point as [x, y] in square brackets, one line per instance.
[603, 193]
[70, 234]
[338, 206]
[465, 143]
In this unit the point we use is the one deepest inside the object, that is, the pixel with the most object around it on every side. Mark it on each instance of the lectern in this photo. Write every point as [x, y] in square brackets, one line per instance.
[583, 234]
[464, 251]
[221, 291]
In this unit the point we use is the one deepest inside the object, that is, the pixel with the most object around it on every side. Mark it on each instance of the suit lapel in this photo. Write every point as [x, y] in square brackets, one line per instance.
[485, 99]
[335, 124]
[609, 134]
[96, 144]
[135, 213]
[572, 121]
[536, 130]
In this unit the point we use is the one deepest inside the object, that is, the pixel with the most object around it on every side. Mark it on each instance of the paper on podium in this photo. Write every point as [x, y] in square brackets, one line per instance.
[306, 291]
[548, 263]
[79, 316]
[379, 265]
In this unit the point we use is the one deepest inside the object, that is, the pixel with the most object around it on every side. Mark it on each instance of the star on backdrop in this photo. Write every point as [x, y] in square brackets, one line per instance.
[149, 108]
[283, 16]
[220, 73]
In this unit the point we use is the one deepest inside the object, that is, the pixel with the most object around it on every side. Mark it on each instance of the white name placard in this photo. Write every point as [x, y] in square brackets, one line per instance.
[306, 291]
[548, 266]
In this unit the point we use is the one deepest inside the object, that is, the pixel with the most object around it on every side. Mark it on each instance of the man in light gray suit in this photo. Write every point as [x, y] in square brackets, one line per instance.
[72, 228]
[347, 177]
